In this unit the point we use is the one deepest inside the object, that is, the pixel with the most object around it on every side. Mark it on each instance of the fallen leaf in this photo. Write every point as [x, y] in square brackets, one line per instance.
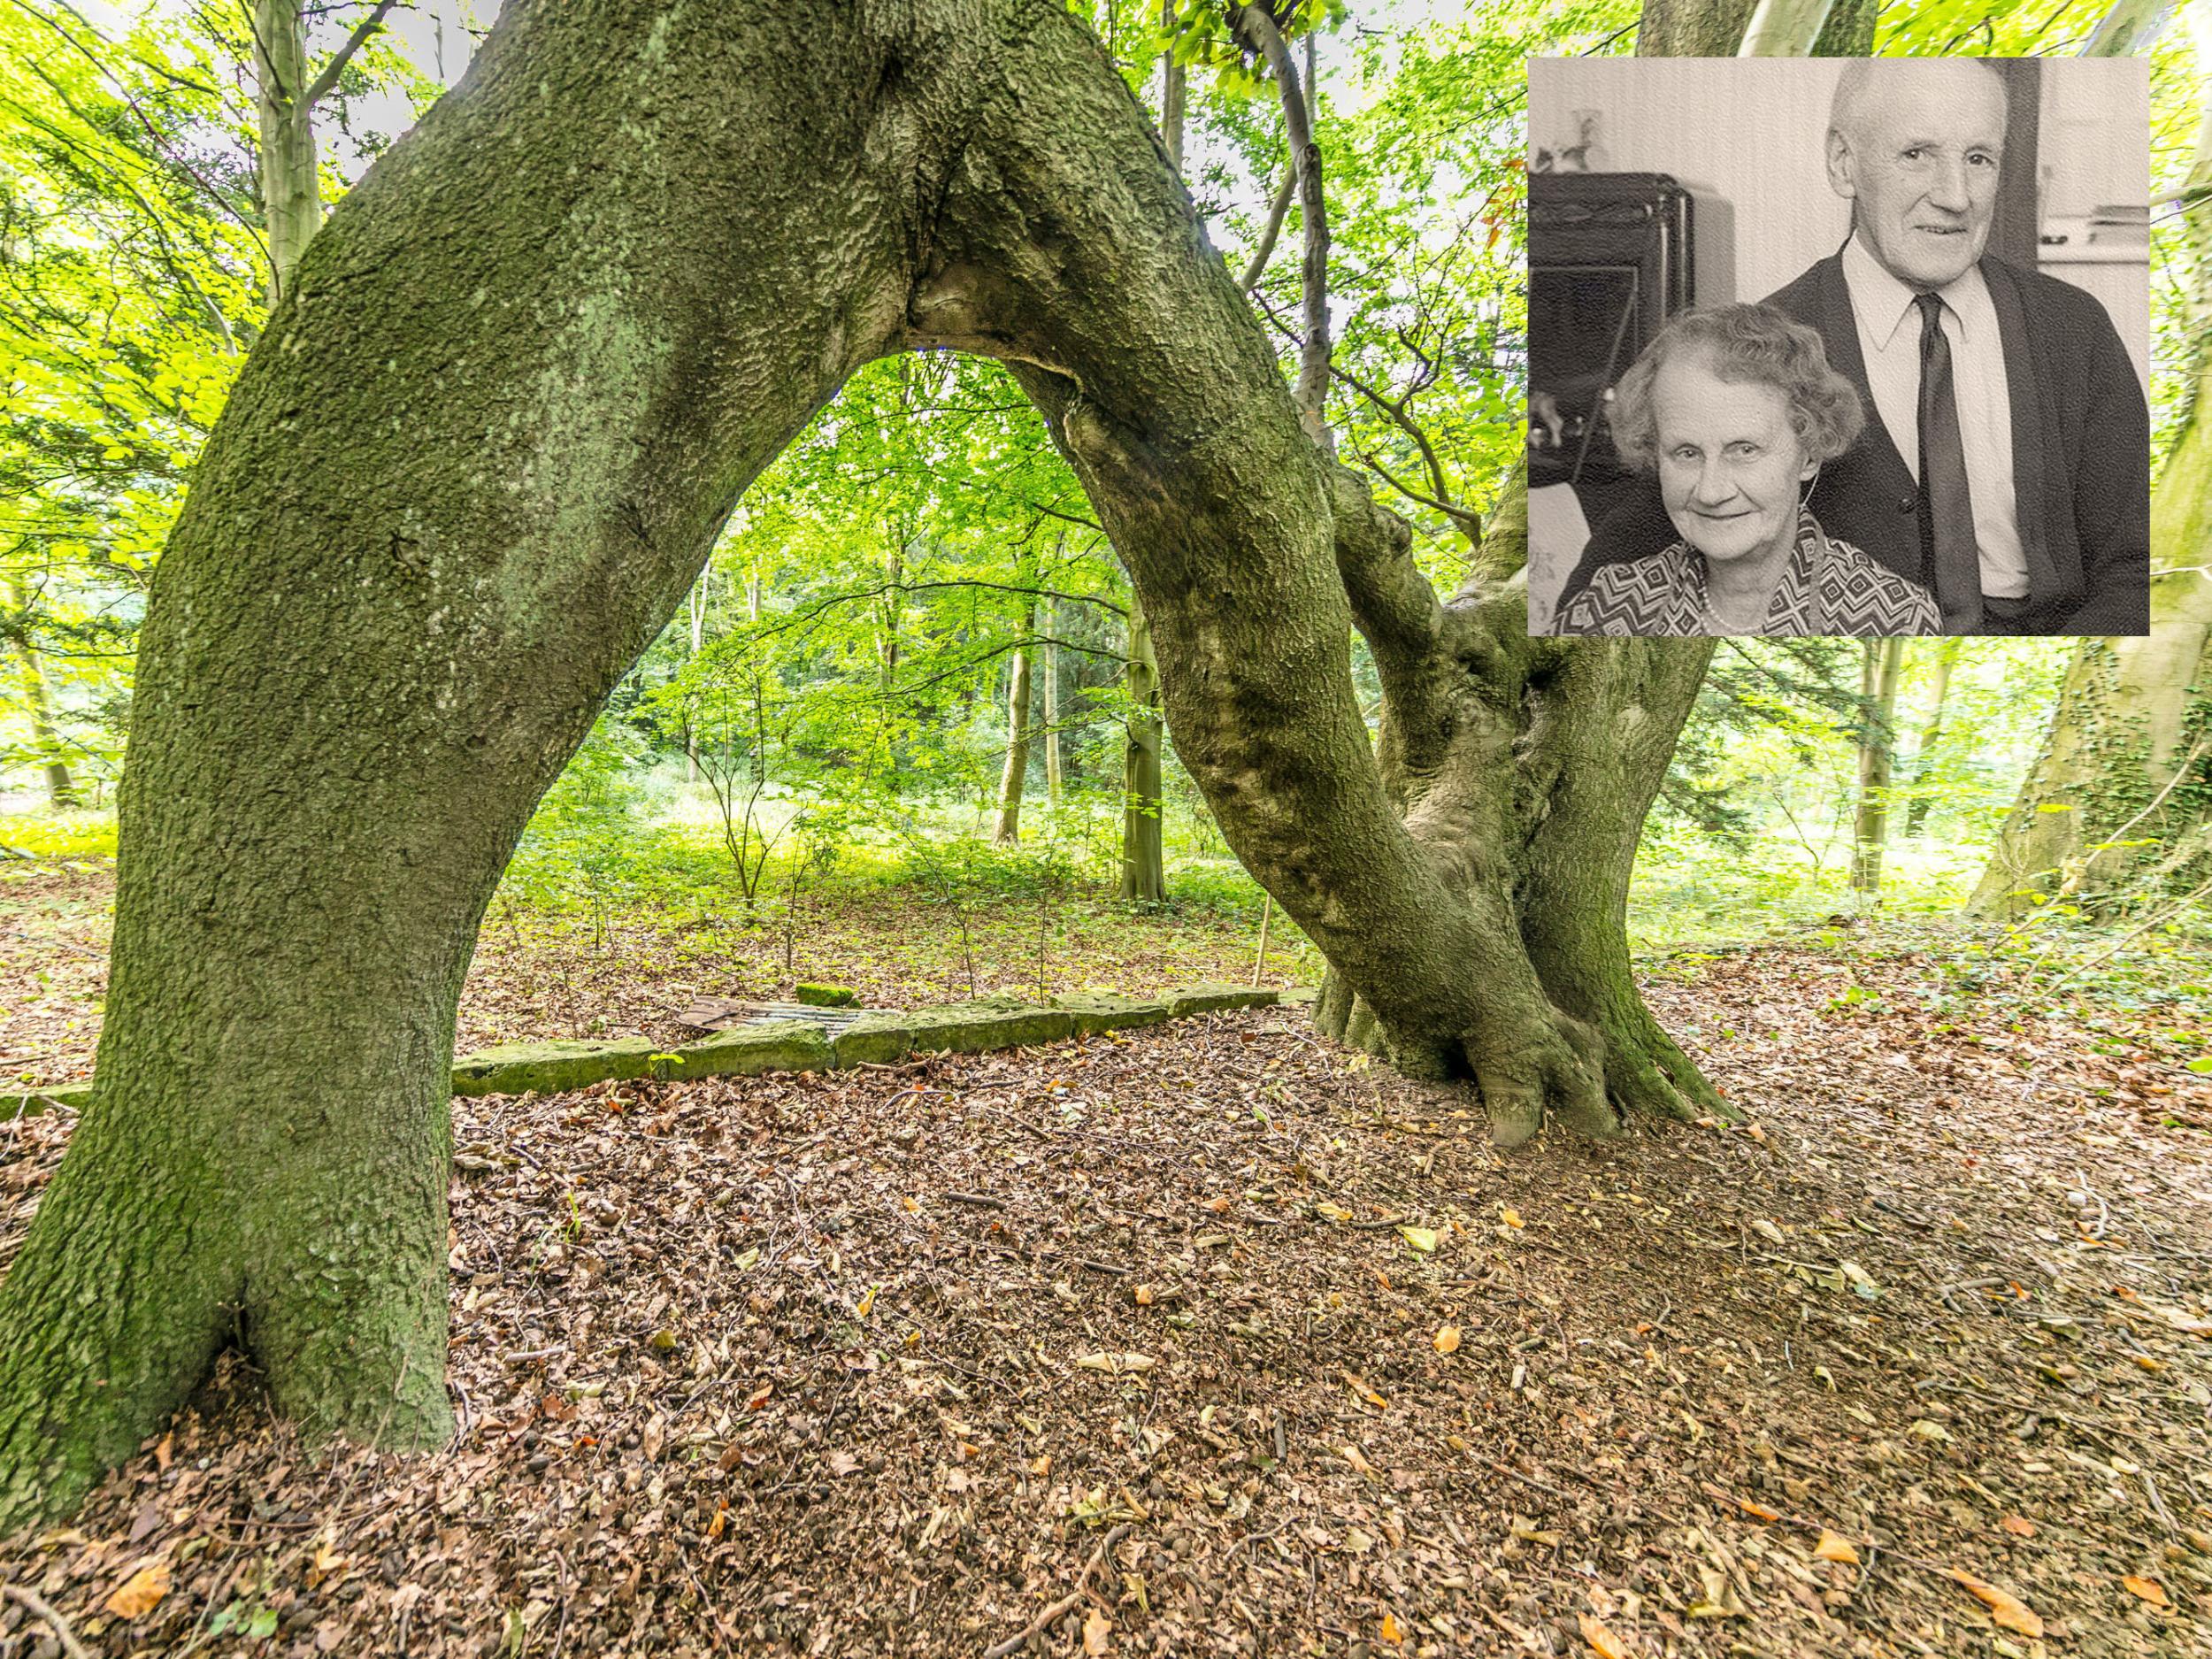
[1359, 1387]
[1601, 1639]
[1220, 1206]
[1446, 1339]
[1421, 1239]
[2201, 1543]
[1768, 1231]
[2149, 1589]
[1391, 1633]
[1332, 1212]
[2005, 1608]
[1835, 1546]
[1359, 1541]
[2018, 1526]
[1097, 1629]
[1510, 1217]
[164, 1449]
[1928, 1429]
[140, 1593]
[1858, 1279]
[1746, 1505]
[1144, 1296]
[866, 1305]
[1118, 1365]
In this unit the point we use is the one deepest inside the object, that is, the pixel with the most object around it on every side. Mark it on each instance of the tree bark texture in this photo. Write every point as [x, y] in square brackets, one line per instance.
[513, 391]
[1014, 776]
[1883, 660]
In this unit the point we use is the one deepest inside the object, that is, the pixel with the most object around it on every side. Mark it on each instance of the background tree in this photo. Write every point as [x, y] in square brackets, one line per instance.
[2125, 775]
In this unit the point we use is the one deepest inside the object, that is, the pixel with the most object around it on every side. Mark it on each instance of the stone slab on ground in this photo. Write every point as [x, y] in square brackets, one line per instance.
[988, 1022]
[548, 1068]
[30, 1103]
[1097, 1011]
[1213, 998]
[780, 1045]
[818, 1040]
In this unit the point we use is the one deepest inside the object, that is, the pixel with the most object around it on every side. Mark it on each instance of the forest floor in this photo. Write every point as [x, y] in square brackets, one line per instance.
[1214, 1339]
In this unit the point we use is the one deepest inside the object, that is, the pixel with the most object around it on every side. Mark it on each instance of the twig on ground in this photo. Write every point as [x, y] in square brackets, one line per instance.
[39, 1607]
[1066, 1603]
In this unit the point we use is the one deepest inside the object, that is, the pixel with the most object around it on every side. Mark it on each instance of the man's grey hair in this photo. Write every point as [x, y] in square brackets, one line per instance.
[1866, 81]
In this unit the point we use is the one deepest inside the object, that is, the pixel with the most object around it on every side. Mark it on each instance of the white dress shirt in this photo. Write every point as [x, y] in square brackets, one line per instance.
[1889, 339]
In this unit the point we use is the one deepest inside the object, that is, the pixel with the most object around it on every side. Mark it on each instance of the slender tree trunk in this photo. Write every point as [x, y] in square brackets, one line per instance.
[1051, 669]
[1784, 28]
[696, 605]
[1143, 852]
[1946, 656]
[291, 192]
[1880, 663]
[38, 701]
[1014, 775]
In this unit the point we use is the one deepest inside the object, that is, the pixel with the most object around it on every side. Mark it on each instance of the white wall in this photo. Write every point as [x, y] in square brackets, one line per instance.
[1744, 135]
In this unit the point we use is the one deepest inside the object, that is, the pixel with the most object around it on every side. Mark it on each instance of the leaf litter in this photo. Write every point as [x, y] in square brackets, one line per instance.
[736, 1371]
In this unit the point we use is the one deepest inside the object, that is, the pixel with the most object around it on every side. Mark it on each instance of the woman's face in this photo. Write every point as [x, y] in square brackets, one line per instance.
[1729, 461]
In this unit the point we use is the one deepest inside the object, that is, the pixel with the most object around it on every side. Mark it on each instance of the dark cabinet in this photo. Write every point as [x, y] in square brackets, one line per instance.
[1609, 261]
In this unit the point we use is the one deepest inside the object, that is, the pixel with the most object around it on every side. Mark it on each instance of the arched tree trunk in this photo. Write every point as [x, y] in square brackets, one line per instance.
[518, 384]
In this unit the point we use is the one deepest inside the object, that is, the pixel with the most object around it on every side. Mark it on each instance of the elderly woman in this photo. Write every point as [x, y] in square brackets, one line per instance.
[1735, 407]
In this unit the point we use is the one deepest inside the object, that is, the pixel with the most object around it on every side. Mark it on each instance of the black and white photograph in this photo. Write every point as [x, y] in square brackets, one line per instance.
[1847, 347]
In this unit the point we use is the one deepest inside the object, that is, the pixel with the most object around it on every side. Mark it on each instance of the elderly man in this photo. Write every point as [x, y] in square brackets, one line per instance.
[2005, 460]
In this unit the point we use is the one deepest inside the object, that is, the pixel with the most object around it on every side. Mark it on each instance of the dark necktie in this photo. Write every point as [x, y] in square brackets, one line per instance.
[1947, 550]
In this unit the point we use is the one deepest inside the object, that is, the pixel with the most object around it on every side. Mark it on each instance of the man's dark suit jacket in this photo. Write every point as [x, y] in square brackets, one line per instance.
[2080, 458]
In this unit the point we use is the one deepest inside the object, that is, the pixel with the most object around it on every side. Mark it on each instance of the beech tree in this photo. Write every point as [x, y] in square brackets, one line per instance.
[516, 385]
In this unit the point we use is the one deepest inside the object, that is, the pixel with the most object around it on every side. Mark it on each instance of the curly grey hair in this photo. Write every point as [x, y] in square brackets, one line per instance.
[1755, 344]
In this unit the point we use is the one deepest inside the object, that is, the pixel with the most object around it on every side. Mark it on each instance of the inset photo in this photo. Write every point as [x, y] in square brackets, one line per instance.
[1830, 346]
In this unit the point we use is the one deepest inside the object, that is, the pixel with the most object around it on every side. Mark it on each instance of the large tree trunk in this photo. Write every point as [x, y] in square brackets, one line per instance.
[1014, 775]
[519, 382]
[1881, 661]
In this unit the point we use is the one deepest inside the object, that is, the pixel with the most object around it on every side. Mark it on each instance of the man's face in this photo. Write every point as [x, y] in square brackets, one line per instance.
[1921, 162]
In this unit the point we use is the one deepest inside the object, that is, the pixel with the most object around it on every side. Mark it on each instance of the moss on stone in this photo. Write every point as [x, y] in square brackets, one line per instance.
[549, 1068]
[774, 1045]
[1210, 998]
[827, 996]
[31, 1102]
[1094, 1012]
[991, 1022]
